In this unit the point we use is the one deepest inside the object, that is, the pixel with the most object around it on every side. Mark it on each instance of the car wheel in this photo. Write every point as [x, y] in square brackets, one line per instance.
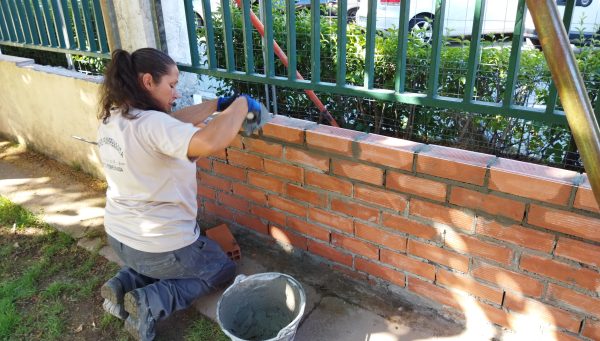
[351, 17]
[421, 26]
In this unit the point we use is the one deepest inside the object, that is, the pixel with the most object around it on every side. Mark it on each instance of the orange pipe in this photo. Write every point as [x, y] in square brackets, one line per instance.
[281, 55]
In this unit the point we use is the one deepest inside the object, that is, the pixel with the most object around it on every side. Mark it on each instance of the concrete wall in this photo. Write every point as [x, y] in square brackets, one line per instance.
[44, 106]
[485, 239]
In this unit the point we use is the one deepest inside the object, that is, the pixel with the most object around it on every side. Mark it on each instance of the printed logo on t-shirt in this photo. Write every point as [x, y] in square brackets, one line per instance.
[111, 164]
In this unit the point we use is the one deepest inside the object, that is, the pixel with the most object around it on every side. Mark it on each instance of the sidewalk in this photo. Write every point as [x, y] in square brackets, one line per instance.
[337, 308]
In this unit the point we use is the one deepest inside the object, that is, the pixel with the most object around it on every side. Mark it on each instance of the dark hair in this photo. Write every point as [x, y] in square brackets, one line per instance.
[122, 87]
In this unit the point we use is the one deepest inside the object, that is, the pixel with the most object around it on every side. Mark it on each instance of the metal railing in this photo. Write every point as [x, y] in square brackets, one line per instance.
[66, 26]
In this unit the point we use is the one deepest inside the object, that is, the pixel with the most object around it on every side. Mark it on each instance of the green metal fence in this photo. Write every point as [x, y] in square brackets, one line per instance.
[207, 64]
[67, 26]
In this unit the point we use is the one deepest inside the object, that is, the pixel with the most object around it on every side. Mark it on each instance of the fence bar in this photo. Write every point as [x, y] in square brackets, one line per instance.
[552, 92]
[58, 50]
[58, 21]
[227, 35]
[81, 43]
[210, 34]
[315, 41]
[436, 48]
[89, 28]
[3, 26]
[190, 17]
[571, 88]
[290, 21]
[50, 29]
[18, 23]
[515, 55]
[400, 79]
[31, 22]
[474, 49]
[66, 16]
[342, 9]
[268, 39]
[10, 24]
[102, 38]
[247, 32]
[597, 107]
[24, 22]
[40, 23]
[370, 46]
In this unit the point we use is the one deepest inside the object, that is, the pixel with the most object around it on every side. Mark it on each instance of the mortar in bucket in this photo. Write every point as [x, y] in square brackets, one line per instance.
[266, 307]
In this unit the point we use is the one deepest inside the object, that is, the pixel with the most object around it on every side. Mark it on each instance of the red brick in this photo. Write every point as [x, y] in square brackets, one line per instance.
[417, 186]
[380, 271]
[363, 277]
[584, 303]
[584, 278]
[515, 234]
[252, 222]
[329, 183]
[578, 251]
[287, 205]
[438, 255]
[332, 139]
[406, 263]
[283, 170]
[478, 248]
[584, 198]
[356, 171]
[229, 171]
[442, 214]
[488, 203]
[355, 246]
[565, 222]
[326, 251]
[508, 279]
[218, 210]
[456, 164]
[551, 185]
[204, 163]
[308, 229]
[288, 237]
[433, 292]
[306, 158]
[233, 202]
[381, 237]
[214, 182]
[591, 329]
[334, 221]
[268, 214]
[407, 226]
[303, 194]
[252, 194]
[355, 210]
[542, 312]
[383, 198]
[387, 151]
[207, 192]
[265, 181]
[239, 158]
[262, 147]
[221, 155]
[563, 336]
[237, 142]
[286, 129]
[496, 315]
[469, 285]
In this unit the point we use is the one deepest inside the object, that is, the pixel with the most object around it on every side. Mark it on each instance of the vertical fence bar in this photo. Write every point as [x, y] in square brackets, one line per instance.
[370, 44]
[268, 39]
[227, 35]
[474, 49]
[515, 55]
[210, 34]
[98, 18]
[315, 41]
[58, 21]
[552, 92]
[66, 29]
[597, 107]
[436, 48]
[21, 34]
[41, 24]
[81, 41]
[4, 26]
[49, 24]
[290, 21]
[89, 28]
[247, 32]
[25, 22]
[9, 20]
[342, 41]
[31, 22]
[191, 29]
[400, 79]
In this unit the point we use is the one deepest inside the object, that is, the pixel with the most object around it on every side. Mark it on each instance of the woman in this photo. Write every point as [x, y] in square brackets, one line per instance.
[149, 154]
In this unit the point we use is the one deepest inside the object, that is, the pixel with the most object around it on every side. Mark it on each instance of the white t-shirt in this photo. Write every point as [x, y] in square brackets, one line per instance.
[151, 198]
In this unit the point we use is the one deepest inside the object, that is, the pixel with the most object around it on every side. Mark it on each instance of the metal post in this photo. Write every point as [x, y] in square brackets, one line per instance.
[110, 24]
[571, 89]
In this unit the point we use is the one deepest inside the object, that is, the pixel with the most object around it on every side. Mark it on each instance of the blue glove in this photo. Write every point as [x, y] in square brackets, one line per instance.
[253, 105]
[224, 102]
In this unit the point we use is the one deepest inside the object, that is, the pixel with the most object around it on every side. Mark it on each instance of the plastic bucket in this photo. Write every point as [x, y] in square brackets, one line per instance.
[265, 307]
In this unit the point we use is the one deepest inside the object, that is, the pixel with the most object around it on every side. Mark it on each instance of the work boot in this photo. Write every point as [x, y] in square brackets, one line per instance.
[139, 323]
[112, 291]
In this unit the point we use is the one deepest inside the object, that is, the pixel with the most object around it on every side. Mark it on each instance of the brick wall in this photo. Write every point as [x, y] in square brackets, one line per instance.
[515, 243]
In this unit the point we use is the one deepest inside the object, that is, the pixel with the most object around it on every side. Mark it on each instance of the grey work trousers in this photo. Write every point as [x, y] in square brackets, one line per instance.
[173, 280]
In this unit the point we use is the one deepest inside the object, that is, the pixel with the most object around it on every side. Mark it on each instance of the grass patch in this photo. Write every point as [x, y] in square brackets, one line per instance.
[204, 329]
